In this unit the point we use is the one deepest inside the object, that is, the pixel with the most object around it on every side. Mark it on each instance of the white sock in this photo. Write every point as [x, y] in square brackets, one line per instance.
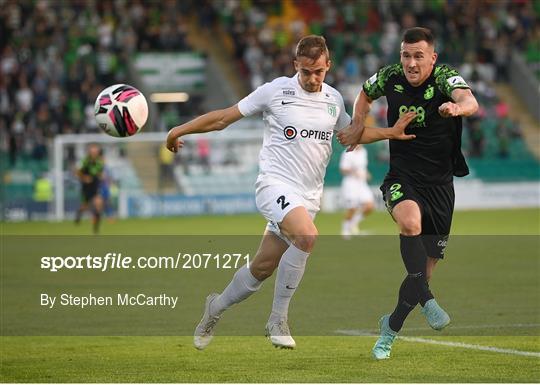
[356, 219]
[241, 287]
[289, 274]
[345, 227]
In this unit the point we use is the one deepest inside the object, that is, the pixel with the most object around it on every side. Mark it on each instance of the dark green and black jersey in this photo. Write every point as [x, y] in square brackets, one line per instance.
[435, 155]
[94, 168]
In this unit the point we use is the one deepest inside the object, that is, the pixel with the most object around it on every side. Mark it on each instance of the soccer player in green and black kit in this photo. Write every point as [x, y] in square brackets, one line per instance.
[418, 189]
[91, 174]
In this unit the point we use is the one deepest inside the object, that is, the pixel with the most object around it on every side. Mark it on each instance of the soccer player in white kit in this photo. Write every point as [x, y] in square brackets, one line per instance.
[300, 115]
[355, 192]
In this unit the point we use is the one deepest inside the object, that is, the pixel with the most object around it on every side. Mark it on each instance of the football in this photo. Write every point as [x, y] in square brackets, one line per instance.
[121, 110]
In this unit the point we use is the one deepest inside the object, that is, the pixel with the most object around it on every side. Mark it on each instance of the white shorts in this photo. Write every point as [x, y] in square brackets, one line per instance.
[356, 197]
[277, 200]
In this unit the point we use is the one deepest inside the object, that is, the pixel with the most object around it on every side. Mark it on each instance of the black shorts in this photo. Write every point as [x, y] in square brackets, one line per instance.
[436, 207]
[88, 193]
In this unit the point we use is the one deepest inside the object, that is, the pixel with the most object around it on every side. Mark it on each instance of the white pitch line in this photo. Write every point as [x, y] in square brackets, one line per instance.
[517, 326]
[471, 346]
[455, 327]
[447, 343]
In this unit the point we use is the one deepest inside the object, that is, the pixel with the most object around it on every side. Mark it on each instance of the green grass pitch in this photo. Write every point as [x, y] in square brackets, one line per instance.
[490, 283]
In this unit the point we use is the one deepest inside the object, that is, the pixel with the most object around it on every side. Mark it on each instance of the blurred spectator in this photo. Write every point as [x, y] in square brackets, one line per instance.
[503, 136]
[43, 189]
[476, 137]
[508, 130]
[501, 110]
[203, 153]
[24, 95]
[515, 129]
[230, 157]
[166, 167]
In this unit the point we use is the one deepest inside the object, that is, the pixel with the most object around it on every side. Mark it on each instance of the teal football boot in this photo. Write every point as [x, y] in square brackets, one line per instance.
[436, 317]
[383, 346]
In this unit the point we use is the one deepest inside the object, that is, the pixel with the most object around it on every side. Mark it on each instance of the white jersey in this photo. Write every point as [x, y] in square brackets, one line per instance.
[356, 162]
[299, 127]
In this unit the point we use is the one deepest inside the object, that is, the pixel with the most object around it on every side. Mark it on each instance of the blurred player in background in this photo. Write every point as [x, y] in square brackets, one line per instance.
[355, 192]
[418, 189]
[106, 194]
[91, 174]
[301, 114]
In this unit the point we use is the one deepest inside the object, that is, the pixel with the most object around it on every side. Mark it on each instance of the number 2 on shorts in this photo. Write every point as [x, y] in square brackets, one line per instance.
[282, 202]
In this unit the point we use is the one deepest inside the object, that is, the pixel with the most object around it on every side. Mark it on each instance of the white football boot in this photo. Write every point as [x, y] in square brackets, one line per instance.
[204, 332]
[279, 334]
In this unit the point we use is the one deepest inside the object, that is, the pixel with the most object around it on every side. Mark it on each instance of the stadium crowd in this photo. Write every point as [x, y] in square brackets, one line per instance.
[55, 57]
[364, 35]
[474, 36]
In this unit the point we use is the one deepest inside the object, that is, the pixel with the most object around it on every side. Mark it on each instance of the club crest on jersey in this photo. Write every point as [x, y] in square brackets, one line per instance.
[430, 91]
[398, 88]
[289, 132]
[332, 110]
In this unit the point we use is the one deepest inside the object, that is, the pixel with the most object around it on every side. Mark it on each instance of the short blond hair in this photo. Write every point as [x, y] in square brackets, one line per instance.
[312, 47]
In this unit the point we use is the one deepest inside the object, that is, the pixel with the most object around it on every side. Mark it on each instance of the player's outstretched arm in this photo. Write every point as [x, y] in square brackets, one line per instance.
[211, 121]
[464, 104]
[396, 132]
[372, 134]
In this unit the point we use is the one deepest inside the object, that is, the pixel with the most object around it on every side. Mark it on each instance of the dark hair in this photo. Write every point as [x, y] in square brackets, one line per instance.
[416, 34]
[312, 47]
